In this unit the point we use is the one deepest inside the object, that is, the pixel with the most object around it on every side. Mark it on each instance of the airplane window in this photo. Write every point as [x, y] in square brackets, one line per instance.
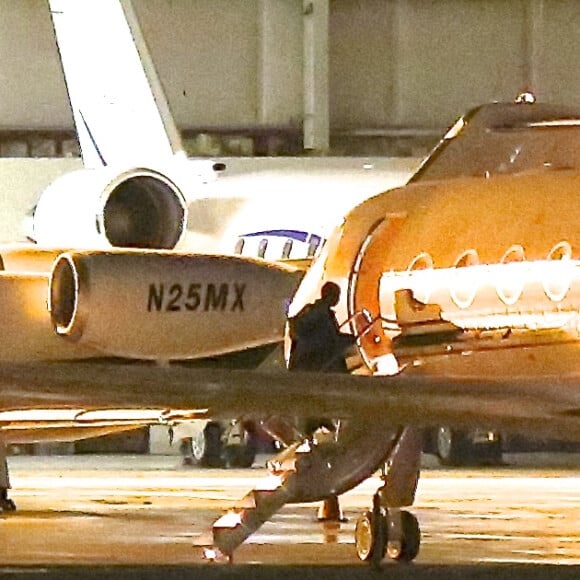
[286, 249]
[463, 288]
[561, 251]
[514, 254]
[421, 262]
[239, 246]
[262, 247]
[511, 286]
[313, 246]
[468, 258]
[422, 285]
[559, 272]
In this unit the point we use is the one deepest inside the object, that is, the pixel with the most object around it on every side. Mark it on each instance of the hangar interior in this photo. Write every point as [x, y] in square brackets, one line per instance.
[293, 77]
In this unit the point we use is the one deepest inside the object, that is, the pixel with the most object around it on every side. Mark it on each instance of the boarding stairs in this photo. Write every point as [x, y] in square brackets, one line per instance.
[293, 470]
[322, 467]
[259, 505]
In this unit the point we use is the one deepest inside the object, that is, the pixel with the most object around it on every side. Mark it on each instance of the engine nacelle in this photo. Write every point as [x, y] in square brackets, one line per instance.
[103, 208]
[28, 258]
[27, 332]
[169, 305]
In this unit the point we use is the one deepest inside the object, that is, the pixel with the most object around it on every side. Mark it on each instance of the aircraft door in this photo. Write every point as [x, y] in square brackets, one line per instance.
[364, 309]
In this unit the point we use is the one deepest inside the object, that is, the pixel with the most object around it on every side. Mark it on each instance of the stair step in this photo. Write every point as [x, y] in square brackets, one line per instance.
[233, 528]
[258, 505]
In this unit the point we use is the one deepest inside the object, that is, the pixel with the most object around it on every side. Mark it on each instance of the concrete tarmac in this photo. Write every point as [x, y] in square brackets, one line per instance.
[147, 517]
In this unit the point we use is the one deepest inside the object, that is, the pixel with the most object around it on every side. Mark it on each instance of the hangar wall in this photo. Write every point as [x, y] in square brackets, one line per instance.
[399, 71]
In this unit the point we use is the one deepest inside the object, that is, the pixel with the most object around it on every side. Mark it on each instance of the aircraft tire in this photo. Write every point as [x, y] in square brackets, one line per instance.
[452, 446]
[456, 448]
[491, 454]
[370, 537]
[411, 540]
[240, 455]
[206, 447]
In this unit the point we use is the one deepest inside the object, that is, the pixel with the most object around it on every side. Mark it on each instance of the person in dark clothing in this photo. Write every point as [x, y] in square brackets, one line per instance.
[317, 343]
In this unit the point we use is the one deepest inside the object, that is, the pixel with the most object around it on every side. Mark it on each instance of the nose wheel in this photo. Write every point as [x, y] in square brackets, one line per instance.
[370, 534]
[406, 547]
[394, 533]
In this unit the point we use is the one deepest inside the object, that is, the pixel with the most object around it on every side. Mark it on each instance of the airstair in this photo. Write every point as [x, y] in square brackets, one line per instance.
[285, 483]
[257, 507]
[322, 465]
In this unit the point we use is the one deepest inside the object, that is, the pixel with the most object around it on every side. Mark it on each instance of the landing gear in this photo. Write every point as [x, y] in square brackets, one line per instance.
[477, 447]
[215, 446]
[451, 446]
[394, 533]
[370, 534]
[240, 455]
[387, 529]
[239, 445]
[406, 547]
[206, 447]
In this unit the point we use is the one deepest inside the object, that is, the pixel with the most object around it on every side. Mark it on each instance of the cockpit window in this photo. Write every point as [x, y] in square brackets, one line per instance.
[506, 138]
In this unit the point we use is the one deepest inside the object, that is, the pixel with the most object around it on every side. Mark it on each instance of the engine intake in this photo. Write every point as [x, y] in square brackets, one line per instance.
[100, 208]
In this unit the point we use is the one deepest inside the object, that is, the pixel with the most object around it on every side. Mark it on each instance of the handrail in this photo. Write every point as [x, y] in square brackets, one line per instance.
[368, 352]
[370, 323]
[364, 313]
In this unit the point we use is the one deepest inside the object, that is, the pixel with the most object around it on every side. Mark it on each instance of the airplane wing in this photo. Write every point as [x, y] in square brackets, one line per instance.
[73, 424]
[523, 405]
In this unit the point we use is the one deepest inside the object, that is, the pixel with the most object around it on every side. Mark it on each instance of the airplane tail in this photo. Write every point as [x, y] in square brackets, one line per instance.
[119, 107]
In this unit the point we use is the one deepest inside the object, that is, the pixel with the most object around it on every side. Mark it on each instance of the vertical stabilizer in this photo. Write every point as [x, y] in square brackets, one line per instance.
[120, 111]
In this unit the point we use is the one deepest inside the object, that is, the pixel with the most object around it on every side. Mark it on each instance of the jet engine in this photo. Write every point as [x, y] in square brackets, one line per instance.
[163, 305]
[28, 258]
[102, 208]
[27, 333]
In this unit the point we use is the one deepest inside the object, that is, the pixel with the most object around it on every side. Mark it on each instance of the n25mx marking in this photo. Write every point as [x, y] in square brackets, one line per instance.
[196, 297]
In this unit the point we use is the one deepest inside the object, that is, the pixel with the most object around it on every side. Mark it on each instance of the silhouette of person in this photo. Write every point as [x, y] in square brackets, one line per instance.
[317, 343]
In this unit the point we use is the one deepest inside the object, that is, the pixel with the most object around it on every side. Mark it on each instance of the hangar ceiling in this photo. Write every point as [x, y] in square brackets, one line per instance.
[345, 76]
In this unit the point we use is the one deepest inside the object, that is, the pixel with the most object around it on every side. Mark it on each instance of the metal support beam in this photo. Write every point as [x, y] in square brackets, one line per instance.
[279, 90]
[533, 48]
[316, 101]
